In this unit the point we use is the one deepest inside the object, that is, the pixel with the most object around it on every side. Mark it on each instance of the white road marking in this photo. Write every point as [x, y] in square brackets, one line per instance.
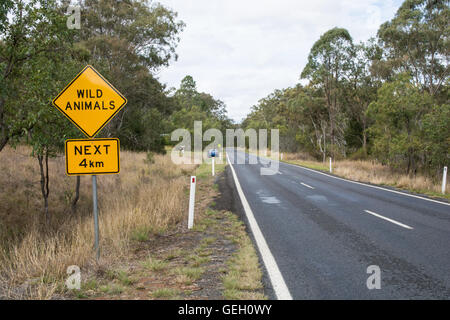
[276, 278]
[270, 200]
[304, 184]
[390, 220]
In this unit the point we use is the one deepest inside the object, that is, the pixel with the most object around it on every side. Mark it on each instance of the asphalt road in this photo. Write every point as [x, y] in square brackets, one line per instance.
[325, 232]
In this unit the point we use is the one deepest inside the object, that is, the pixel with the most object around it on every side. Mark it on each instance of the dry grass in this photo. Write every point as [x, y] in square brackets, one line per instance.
[375, 173]
[142, 200]
[369, 172]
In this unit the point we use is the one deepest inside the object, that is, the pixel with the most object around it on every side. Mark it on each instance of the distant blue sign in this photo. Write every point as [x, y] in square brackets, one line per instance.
[213, 153]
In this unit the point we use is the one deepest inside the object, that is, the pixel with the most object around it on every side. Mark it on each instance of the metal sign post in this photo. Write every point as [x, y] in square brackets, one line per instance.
[96, 231]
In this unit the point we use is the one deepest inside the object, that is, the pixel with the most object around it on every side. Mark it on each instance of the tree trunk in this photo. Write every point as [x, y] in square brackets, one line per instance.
[43, 166]
[365, 142]
[3, 133]
[77, 195]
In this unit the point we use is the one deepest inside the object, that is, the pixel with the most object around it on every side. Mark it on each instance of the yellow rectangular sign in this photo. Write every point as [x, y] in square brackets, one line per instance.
[92, 156]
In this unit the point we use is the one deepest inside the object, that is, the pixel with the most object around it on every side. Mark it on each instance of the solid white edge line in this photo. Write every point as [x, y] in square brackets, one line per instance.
[276, 278]
[364, 184]
[388, 219]
[306, 185]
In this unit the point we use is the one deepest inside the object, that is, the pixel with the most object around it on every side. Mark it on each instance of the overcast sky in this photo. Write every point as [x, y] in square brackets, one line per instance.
[242, 50]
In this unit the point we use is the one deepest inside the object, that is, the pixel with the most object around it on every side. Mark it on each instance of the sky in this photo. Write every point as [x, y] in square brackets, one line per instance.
[240, 51]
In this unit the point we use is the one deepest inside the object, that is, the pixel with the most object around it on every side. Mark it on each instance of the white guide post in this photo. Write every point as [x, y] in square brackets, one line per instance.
[444, 180]
[192, 203]
[331, 168]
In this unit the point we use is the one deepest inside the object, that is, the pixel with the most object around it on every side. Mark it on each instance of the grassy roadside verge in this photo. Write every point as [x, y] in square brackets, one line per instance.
[214, 260]
[147, 252]
[373, 173]
[145, 200]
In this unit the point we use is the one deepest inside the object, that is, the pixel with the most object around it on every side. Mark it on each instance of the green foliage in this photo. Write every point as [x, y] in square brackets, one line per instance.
[436, 136]
[127, 41]
[150, 157]
[197, 106]
[416, 40]
[32, 41]
[385, 99]
[398, 113]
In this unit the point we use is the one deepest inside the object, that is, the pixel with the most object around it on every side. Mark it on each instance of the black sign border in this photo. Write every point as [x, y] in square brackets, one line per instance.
[96, 173]
[109, 84]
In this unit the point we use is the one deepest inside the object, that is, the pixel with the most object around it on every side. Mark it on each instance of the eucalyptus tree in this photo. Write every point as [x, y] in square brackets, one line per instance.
[327, 68]
[129, 42]
[361, 87]
[28, 30]
[398, 114]
[416, 41]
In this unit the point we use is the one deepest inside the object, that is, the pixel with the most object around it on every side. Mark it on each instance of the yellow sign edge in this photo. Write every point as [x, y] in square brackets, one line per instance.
[96, 173]
[109, 119]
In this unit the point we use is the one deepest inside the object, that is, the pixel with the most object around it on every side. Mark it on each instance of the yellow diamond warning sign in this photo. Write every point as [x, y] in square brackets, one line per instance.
[90, 101]
[92, 156]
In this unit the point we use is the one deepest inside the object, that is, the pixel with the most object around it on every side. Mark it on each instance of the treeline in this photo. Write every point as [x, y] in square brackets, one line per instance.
[385, 99]
[128, 42]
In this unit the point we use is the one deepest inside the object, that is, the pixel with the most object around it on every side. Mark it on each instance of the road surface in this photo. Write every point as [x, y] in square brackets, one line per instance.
[324, 232]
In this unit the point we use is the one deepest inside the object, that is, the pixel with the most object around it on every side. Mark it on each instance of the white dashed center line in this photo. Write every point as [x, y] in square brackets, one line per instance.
[390, 220]
[304, 184]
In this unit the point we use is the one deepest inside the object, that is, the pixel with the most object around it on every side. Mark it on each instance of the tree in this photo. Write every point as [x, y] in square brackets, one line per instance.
[127, 42]
[436, 136]
[45, 75]
[327, 68]
[193, 105]
[416, 41]
[361, 89]
[33, 28]
[398, 116]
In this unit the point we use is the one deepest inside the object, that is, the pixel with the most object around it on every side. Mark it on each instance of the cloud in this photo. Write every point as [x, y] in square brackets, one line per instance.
[241, 51]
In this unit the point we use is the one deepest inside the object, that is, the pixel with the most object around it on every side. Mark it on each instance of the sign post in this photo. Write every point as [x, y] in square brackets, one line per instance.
[89, 101]
[96, 229]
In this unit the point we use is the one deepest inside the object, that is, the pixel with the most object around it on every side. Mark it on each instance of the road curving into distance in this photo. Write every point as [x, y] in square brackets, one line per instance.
[323, 232]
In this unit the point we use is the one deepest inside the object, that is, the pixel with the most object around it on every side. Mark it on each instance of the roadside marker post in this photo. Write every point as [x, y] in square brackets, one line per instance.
[213, 153]
[331, 168]
[89, 101]
[192, 202]
[444, 180]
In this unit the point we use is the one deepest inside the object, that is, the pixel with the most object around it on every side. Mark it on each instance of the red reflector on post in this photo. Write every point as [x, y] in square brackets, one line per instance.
[193, 180]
